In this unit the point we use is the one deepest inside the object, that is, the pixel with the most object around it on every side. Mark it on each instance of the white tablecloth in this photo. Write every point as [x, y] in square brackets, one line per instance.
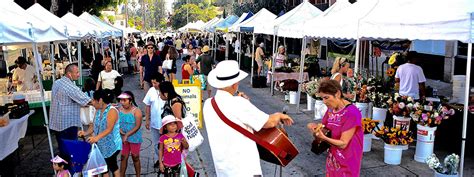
[11, 134]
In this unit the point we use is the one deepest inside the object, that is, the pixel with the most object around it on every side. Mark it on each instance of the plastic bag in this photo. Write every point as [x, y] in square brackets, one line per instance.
[96, 163]
[191, 132]
[87, 115]
[183, 172]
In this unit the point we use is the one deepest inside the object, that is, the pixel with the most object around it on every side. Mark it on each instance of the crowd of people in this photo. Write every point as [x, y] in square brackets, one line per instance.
[116, 128]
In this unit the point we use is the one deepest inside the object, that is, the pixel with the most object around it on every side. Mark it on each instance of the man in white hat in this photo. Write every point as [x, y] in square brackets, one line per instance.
[233, 153]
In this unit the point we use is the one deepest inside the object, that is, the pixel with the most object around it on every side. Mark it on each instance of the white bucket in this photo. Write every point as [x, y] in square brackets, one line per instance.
[367, 142]
[363, 108]
[399, 121]
[310, 101]
[444, 175]
[293, 97]
[379, 114]
[392, 154]
[424, 142]
[369, 111]
[319, 110]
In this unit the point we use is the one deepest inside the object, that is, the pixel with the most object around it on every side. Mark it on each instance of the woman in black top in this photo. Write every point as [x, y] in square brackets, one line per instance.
[173, 102]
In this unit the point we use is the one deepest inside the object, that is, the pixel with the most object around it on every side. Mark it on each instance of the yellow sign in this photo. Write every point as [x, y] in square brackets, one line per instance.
[191, 94]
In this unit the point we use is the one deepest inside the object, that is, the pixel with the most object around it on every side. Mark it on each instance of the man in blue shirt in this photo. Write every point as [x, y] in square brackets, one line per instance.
[150, 65]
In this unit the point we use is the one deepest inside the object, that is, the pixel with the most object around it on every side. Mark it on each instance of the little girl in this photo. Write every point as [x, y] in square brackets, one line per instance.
[130, 120]
[171, 147]
[60, 166]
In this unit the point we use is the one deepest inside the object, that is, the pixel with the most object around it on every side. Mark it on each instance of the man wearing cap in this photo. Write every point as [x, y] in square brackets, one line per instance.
[205, 63]
[151, 65]
[233, 153]
[259, 55]
[23, 75]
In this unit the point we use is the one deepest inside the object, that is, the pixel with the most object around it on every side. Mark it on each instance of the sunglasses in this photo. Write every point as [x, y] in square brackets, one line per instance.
[149, 47]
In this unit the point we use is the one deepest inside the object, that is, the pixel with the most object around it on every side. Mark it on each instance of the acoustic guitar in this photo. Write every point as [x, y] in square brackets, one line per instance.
[273, 144]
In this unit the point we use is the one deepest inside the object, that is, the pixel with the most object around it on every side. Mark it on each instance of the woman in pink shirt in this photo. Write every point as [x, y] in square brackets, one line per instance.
[343, 119]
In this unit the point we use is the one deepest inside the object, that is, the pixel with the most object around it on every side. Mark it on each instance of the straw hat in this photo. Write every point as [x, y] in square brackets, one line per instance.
[205, 49]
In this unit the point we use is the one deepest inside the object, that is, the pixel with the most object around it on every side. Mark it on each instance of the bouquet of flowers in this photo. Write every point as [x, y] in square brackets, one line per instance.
[369, 125]
[451, 163]
[432, 117]
[403, 105]
[362, 94]
[311, 88]
[379, 100]
[394, 136]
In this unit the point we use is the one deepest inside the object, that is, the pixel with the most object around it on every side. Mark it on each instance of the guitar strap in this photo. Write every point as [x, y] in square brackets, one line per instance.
[246, 133]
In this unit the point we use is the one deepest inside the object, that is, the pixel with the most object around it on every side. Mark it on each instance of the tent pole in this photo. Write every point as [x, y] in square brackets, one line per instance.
[69, 51]
[227, 48]
[240, 49]
[253, 55]
[215, 46]
[300, 81]
[51, 56]
[356, 69]
[45, 114]
[79, 57]
[92, 48]
[273, 65]
[5, 57]
[466, 106]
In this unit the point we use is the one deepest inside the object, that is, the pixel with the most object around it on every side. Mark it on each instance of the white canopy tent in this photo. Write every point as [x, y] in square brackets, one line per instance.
[22, 29]
[248, 25]
[233, 27]
[116, 31]
[211, 26]
[208, 22]
[91, 27]
[105, 31]
[426, 20]
[338, 25]
[295, 28]
[73, 30]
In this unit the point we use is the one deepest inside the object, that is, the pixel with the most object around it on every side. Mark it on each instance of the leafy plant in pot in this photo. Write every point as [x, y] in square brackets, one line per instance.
[450, 167]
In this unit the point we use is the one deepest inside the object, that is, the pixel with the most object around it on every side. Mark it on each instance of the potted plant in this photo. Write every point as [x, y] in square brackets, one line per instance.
[396, 140]
[427, 120]
[379, 101]
[449, 169]
[311, 89]
[401, 107]
[369, 126]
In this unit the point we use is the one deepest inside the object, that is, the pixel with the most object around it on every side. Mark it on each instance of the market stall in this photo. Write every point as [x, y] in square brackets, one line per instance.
[11, 134]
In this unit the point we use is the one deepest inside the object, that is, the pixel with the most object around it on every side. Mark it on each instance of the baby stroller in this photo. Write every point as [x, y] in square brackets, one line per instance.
[78, 153]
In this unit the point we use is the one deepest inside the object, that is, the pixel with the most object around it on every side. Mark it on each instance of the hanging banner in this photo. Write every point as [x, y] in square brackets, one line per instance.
[342, 48]
[191, 94]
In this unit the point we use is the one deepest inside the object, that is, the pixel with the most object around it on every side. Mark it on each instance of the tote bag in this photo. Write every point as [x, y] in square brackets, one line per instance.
[87, 115]
[191, 132]
[167, 64]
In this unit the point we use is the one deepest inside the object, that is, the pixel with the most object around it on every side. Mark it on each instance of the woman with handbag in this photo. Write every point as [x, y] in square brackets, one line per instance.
[344, 121]
[172, 55]
[174, 104]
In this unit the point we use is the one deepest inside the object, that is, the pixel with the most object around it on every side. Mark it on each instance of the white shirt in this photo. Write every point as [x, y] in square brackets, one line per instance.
[108, 79]
[161, 45]
[237, 46]
[233, 153]
[156, 104]
[26, 76]
[410, 76]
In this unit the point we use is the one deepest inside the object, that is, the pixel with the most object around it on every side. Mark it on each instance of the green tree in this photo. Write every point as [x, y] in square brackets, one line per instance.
[77, 6]
[197, 11]
[274, 6]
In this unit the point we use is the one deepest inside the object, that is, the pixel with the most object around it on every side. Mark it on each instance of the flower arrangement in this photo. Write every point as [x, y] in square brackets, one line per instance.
[451, 163]
[379, 99]
[362, 94]
[369, 125]
[431, 117]
[394, 136]
[403, 105]
[311, 88]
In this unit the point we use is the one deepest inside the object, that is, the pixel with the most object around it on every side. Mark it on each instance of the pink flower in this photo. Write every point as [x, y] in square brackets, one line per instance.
[424, 116]
[452, 112]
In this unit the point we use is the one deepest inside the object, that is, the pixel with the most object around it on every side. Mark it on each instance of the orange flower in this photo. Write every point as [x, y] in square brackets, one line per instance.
[393, 141]
[390, 72]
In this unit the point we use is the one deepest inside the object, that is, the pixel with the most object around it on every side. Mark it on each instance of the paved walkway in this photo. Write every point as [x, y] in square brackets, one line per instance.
[35, 161]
